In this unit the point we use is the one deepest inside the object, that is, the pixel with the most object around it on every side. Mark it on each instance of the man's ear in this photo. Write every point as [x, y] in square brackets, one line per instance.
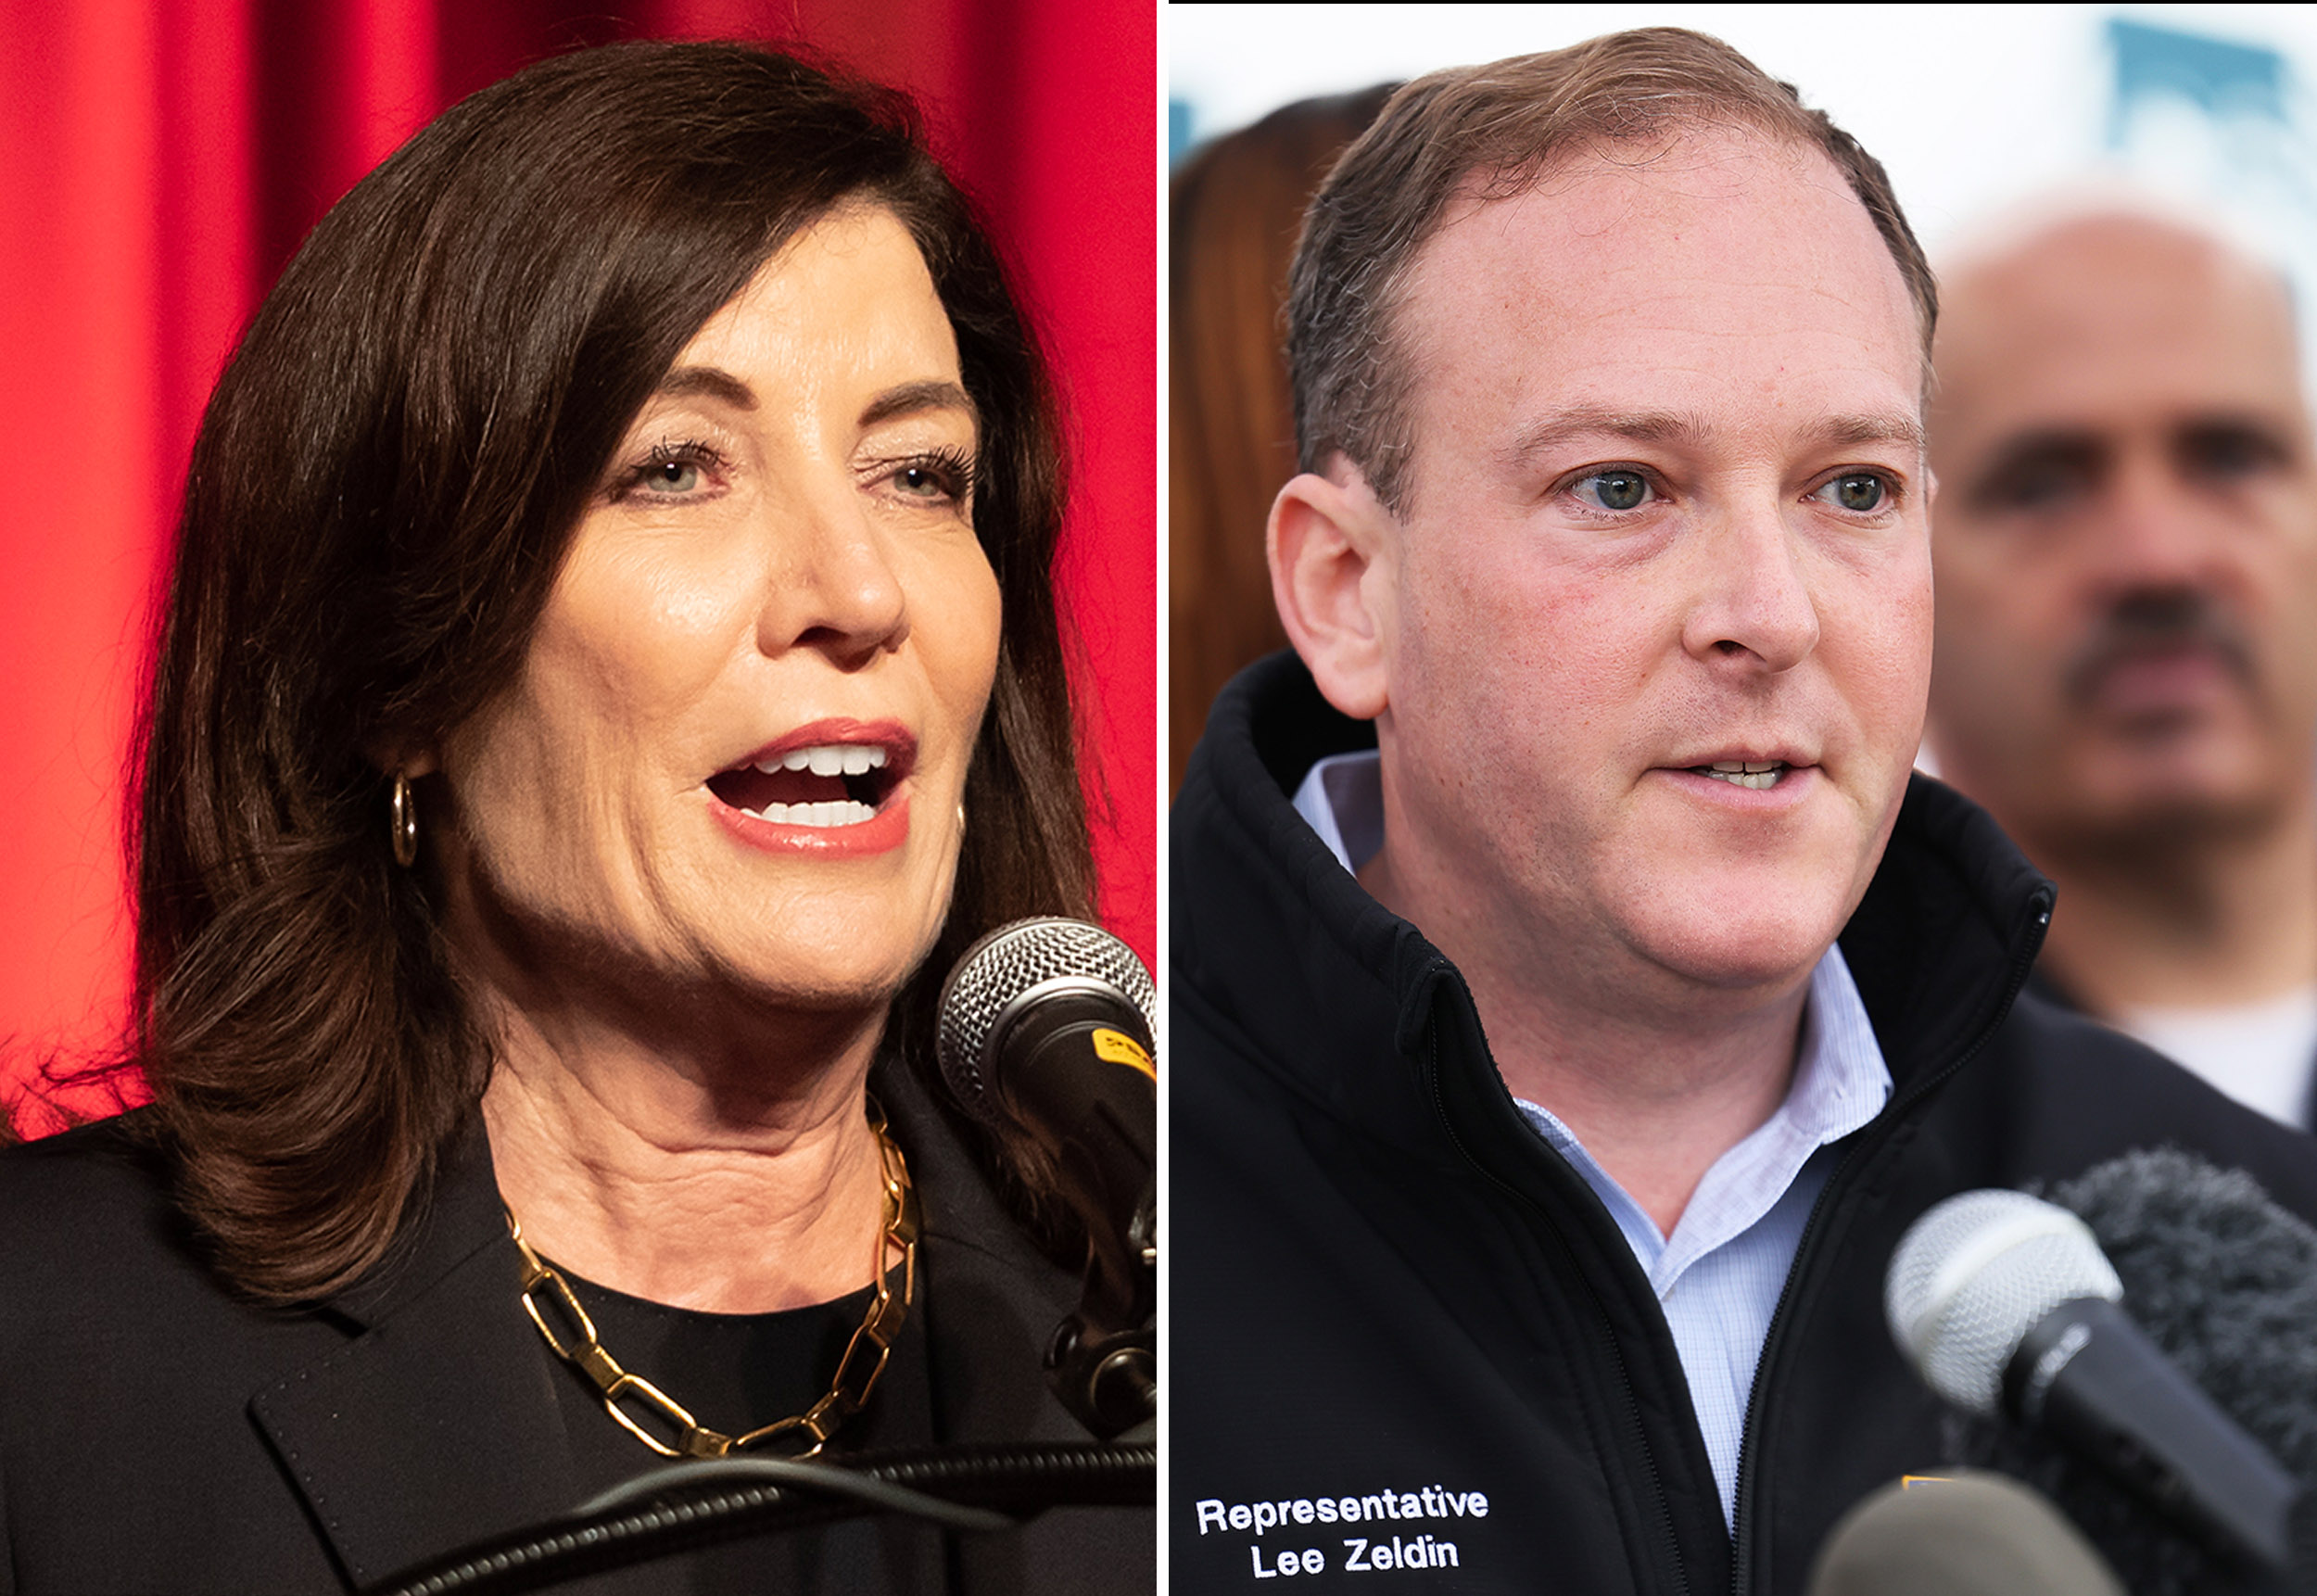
[1333, 549]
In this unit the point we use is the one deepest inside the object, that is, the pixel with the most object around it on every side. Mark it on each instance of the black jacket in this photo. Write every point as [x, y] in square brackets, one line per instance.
[158, 1435]
[2051, 990]
[1389, 1294]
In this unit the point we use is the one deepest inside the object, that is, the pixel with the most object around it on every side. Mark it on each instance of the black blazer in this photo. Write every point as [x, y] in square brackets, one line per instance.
[157, 1434]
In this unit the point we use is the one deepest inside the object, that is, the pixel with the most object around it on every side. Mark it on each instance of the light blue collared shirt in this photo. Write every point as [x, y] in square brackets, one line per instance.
[1719, 1275]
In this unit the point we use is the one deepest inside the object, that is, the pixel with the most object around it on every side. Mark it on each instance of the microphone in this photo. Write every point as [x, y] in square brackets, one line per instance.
[2004, 1303]
[1970, 1535]
[1045, 1030]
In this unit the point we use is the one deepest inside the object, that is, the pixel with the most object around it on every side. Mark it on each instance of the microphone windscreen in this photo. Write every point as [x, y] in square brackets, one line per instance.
[2224, 1283]
[2223, 1279]
[1970, 1535]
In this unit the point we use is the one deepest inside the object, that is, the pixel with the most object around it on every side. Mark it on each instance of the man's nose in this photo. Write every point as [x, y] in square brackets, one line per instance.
[2152, 529]
[1753, 607]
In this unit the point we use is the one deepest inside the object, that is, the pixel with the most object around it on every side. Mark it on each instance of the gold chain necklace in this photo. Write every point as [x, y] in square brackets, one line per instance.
[864, 1358]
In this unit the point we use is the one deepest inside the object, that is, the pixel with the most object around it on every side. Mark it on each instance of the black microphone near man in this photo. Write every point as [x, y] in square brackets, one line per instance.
[2131, 1370]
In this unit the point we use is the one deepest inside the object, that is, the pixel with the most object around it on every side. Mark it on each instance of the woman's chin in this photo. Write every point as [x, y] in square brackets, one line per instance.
[852, 968]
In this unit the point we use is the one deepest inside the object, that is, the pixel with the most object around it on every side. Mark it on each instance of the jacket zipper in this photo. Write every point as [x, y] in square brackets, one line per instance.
[1670, 1540]
[1743, 1534]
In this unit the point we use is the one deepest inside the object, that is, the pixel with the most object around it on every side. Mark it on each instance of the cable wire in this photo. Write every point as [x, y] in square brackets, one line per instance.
[788, 1471]
[687, 1509]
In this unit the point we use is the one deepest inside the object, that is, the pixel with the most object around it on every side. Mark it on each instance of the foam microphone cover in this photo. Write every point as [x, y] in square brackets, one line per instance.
[2224, 1282]
[1972, 1535]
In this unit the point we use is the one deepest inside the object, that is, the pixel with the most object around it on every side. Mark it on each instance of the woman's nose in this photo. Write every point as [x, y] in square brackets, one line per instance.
[833, 583]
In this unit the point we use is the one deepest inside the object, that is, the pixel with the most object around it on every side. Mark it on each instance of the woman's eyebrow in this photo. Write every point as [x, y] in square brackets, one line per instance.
[912, 398]
[709, 382]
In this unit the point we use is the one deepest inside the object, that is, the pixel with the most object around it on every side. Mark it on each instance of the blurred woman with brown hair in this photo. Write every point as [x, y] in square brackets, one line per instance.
[1234, 211]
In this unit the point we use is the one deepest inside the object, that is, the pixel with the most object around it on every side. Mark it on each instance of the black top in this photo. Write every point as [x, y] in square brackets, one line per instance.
[158, 1433]
[734, 1371]
[1389, 1293]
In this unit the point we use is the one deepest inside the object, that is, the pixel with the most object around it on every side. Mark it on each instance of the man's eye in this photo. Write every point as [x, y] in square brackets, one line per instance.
[2039, 489]
[2042, 483]
[1861, 492]
[2226, 453]
[1614, 489]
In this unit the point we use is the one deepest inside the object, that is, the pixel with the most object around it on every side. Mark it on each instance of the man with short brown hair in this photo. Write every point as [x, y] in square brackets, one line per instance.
[1537, 1147]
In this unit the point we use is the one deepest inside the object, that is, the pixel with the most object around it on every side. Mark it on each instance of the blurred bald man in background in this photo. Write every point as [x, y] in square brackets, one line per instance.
[2125, 672]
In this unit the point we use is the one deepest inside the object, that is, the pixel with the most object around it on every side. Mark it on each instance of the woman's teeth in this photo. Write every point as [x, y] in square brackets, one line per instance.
[1743, 773]
[828, 784]
[839, 812]
[827, 759]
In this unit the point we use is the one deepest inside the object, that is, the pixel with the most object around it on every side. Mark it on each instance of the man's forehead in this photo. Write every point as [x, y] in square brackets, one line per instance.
[2114, 314]
[1719, 270]
[1599, 191]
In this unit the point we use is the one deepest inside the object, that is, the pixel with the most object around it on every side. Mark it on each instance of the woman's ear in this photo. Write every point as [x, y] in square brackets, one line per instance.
[1334, 552]
[394, 757]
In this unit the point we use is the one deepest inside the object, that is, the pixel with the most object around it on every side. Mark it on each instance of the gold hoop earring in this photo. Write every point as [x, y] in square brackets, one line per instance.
[961, 819]
[404, 823]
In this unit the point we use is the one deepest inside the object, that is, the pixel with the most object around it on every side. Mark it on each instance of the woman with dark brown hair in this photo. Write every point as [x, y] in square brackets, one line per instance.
[1233, 212]
[609, 670]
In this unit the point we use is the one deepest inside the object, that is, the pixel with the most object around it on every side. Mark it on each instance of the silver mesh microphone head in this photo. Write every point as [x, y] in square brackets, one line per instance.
[1013, 966]
[1971, 1278]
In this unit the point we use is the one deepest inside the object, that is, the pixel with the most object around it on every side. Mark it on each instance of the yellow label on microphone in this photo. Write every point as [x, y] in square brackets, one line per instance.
[1117, 1048]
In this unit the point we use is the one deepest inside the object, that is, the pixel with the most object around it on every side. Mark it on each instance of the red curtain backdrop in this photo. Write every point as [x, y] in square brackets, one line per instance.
[161, 160]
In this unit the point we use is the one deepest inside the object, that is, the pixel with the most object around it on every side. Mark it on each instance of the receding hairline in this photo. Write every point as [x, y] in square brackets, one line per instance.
[1483, 184]
[1476, 191]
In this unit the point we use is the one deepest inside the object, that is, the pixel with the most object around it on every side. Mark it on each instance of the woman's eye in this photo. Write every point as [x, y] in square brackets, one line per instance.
[673, 475]
[939, 479]
[921, 482]
[1858, 491]
[670, 471]
[1614, 489]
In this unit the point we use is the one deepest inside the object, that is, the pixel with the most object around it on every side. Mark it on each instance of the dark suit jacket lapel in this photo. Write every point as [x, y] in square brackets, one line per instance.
[436, 1425]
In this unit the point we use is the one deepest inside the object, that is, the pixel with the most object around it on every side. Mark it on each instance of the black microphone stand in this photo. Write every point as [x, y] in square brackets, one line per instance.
[1103, 1361]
